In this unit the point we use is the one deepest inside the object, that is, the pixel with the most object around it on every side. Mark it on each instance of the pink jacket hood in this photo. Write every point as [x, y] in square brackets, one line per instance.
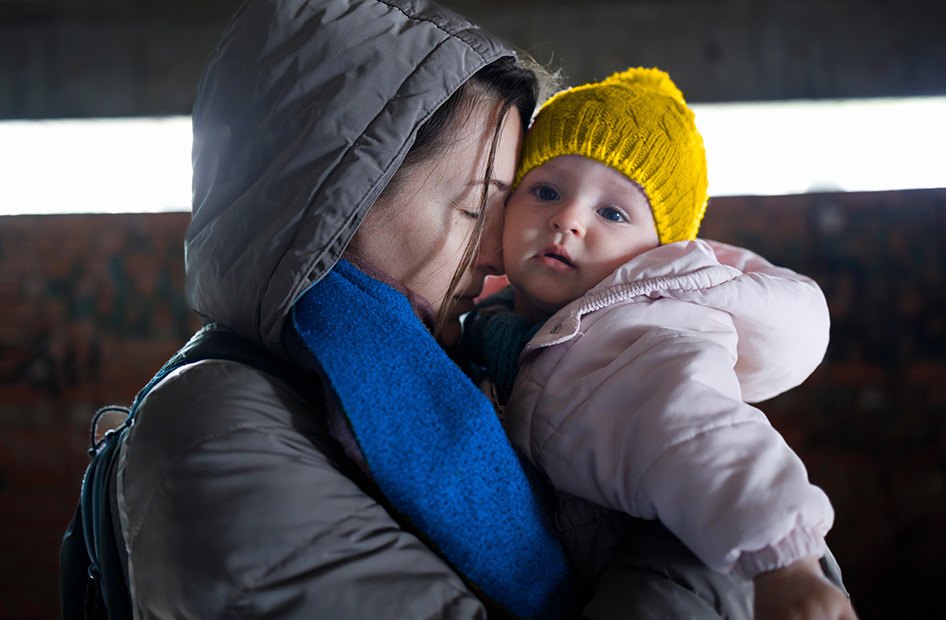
[781, 317]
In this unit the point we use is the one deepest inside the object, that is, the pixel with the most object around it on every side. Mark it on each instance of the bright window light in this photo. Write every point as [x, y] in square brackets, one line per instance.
[856, 145]
[143, 164]
[95, 165]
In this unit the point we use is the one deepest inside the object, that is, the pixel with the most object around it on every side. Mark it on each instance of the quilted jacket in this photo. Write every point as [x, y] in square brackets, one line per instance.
[634, 397]
[235, 499]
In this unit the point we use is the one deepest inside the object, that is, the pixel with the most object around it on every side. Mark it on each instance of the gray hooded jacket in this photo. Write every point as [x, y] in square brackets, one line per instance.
[234, 499]
[304, 112]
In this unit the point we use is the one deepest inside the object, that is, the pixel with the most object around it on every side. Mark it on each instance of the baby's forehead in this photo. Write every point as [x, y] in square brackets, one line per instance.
[572, 166]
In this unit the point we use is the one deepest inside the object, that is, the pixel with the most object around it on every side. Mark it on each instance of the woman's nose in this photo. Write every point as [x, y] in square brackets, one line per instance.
[489, 256]
[568, 218]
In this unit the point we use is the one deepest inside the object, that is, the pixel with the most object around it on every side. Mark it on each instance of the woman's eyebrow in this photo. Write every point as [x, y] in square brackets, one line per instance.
[500, 185]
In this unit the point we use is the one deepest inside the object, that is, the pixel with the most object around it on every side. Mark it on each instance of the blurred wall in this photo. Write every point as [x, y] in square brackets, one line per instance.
[91, 305]
[870, 423]
[76, 58]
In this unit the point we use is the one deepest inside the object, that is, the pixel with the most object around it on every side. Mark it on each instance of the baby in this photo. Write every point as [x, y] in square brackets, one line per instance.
[625, 353]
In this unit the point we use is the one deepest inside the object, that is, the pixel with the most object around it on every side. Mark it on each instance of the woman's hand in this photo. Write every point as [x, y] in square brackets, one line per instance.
[800, 591]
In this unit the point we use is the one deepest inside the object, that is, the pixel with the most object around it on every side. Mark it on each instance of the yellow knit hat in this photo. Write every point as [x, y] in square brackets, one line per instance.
[637, 122]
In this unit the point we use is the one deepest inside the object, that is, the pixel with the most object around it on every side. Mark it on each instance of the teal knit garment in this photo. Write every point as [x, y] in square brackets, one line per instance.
[494, 337]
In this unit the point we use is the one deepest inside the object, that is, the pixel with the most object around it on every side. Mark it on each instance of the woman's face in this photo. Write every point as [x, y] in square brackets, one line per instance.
[418, 233]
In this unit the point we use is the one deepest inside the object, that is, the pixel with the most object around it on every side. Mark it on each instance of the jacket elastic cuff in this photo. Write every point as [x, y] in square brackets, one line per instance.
[798, 545]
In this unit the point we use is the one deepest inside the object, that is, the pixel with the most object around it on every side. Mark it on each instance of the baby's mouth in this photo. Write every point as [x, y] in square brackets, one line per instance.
[559, 257]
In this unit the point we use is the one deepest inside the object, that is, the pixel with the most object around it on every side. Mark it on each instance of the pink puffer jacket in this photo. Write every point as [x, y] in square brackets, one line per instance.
[634, 397]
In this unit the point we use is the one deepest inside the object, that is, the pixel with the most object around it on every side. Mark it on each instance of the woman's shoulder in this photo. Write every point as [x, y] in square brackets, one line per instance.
[215, 409]
[214, 397]
[222, 454]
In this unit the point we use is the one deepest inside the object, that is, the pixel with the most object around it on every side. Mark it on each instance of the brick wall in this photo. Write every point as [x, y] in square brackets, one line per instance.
[91, 305]
[871, 422]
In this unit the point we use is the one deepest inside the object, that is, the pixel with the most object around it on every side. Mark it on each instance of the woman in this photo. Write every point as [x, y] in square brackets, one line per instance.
[391, 129]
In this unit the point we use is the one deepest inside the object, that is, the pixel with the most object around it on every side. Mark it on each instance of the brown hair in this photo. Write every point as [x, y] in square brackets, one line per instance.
[510, 82]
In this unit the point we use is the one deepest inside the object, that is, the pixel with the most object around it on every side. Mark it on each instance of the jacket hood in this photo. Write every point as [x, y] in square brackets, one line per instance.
[780, 317]
[303, 113]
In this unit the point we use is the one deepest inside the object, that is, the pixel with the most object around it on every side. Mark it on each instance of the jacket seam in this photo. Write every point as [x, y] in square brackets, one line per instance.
[450, 34]
[621, 293]
[580, 407]
[458, 596]
[679, 442]
[247, 588]
[624, 291]
[186, 453]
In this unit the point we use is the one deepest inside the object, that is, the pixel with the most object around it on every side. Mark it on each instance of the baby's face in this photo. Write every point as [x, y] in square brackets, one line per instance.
[569, 224]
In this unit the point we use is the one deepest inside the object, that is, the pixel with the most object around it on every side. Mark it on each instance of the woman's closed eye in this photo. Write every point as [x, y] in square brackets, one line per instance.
[467, 208]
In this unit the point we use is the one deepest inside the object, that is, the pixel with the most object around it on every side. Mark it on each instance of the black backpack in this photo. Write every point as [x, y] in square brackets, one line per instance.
[93, 580]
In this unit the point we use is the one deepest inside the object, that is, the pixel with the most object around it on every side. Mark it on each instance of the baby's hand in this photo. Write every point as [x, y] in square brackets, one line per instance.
[800, 591]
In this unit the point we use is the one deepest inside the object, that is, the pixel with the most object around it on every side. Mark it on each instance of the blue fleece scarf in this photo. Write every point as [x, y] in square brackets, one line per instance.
[433, 443]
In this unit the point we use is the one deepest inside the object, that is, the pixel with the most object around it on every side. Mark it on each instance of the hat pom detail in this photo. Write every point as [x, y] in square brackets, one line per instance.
[648, 80]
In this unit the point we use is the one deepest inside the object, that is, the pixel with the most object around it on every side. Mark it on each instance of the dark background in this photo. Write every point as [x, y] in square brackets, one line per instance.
[90, 305]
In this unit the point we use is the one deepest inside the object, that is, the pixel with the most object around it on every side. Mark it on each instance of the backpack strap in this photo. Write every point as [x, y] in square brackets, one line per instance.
[93, 579]
[214, 342]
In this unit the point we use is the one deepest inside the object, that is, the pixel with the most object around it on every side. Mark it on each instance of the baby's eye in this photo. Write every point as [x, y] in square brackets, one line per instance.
[612, 215]
[544, 192]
